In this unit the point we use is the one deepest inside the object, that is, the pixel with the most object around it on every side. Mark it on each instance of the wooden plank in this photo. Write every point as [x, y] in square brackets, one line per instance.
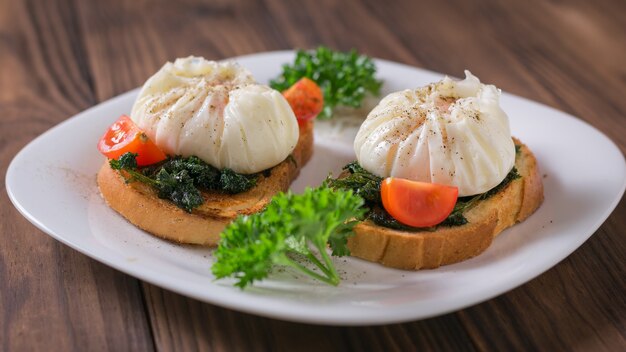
[59, 58]
[52, 297]
[180, 324]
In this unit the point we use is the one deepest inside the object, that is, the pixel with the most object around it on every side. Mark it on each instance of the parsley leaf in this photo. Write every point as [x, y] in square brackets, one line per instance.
[345, 78]
[292, 226]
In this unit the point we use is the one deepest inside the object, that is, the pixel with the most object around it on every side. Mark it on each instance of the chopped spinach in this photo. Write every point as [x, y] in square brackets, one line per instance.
[361, 182]
[454, 219]
[179, 188]
[180, 179]
[232, 182]
[367, 185]
[512, 175]
[381, 217]
[126, 161]
[203, 174]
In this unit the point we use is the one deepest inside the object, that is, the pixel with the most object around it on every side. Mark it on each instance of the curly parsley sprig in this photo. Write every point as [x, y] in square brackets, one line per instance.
[292, 225]
[345, 77]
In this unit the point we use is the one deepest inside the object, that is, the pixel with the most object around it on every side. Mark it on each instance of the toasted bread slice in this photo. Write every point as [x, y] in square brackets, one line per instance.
[447, 245]
[140, 205]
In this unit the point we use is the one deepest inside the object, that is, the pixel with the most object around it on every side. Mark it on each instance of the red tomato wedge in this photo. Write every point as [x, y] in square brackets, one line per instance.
[305, 98]
[417, 204]
[124, 136]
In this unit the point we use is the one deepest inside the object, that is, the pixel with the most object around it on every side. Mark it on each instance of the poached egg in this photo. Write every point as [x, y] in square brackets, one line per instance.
[450, 132]
[217, 112]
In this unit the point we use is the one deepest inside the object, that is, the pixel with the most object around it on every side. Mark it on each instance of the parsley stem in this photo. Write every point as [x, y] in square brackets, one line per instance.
[329, 280]
[319, 264]
[334, 276]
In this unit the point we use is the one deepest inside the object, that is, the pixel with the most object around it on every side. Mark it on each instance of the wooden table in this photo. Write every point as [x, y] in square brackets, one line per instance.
[59, 57]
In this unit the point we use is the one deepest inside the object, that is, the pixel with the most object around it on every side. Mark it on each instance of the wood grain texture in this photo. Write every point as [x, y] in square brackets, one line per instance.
[59, 57]
[182, 323]
[52, 297]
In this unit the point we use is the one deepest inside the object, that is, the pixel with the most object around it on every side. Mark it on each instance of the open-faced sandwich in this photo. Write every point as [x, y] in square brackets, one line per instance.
[440, 174]
[207, 153]
[205, 143]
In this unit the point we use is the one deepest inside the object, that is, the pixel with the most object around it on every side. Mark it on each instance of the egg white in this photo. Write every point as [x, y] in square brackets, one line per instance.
[217, 112]
[450, 132]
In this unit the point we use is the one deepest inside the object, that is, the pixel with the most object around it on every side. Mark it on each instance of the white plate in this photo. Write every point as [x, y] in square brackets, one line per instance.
[52, 183]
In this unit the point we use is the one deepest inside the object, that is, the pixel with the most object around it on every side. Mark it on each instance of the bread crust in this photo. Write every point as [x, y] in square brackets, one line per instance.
[447, 245]
[141, 206]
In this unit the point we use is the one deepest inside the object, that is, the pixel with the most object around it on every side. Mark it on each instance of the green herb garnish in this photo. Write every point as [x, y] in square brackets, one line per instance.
[180, 179]
[345, 78]
[291, 227]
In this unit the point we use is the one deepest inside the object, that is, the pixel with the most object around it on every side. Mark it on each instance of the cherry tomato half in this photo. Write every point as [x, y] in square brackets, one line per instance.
[305, 98]
[418, 204]
[124, 136]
